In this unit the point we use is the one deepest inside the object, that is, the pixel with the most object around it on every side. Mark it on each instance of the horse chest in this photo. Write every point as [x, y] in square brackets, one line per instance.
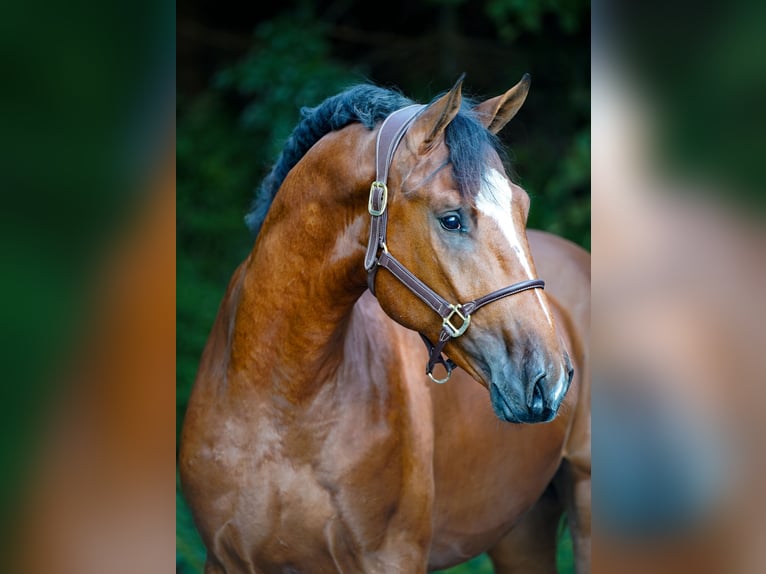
[486, 474]
[322, 485]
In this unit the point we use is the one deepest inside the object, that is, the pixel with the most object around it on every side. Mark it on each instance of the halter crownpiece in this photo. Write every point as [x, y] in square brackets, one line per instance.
[456, 318]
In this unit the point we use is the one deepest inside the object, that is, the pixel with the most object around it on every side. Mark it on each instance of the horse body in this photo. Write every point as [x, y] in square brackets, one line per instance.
[314, 442]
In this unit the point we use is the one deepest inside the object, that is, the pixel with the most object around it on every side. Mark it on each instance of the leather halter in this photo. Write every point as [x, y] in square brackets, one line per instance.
[391, 132]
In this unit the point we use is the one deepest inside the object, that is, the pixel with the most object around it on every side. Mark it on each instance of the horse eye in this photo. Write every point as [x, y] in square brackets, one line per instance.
[451, 222]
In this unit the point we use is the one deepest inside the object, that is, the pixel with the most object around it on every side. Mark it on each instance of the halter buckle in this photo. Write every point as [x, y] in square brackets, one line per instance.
[377, 185]
[451, 329]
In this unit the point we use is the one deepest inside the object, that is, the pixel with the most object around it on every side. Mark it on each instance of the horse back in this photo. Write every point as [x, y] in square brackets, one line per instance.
[565, 267]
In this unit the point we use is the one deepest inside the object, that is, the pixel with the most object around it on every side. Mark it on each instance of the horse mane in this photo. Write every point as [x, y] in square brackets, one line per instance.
[466, 138]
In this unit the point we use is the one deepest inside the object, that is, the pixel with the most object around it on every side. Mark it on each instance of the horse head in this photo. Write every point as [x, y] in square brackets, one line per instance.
[457, 222]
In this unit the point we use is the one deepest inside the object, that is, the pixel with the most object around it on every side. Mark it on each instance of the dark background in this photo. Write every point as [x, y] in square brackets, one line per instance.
[245, 69]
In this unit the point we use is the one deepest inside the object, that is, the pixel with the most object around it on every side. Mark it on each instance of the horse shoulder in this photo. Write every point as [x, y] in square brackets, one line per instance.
[384, 362]
[206, 453]
[376, 459]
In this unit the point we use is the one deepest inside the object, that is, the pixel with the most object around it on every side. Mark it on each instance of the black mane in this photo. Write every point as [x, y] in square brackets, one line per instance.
[466, 138]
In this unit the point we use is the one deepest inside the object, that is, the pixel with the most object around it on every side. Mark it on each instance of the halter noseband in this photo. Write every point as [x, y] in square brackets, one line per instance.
[391, 132]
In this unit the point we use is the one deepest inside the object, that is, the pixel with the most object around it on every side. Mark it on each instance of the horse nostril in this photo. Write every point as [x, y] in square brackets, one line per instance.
[535, 401]
[568, 366]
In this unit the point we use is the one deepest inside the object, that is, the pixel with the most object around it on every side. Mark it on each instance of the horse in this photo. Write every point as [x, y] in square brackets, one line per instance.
[389, 235]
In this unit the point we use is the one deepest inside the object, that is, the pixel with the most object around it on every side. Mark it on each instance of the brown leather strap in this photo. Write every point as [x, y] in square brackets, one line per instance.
[435, 351]
[472, 306]
[435, 356]
[423, 291]
[439, 303]
[443, 307]
[390, 134]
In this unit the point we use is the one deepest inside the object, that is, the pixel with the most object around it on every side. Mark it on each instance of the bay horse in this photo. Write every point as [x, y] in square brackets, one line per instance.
[314, 441]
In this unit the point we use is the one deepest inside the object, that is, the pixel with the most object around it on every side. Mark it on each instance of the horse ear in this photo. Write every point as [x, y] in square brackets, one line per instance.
[497, 112]
[436, 117]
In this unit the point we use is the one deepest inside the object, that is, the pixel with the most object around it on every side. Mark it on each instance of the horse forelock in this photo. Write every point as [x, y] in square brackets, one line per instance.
[468, 141]
[470, 146]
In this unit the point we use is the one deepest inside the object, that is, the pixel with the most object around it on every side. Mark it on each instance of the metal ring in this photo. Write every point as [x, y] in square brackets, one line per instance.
[441, 381]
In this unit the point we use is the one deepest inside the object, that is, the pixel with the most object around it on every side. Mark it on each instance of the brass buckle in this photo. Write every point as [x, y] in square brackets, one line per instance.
[451, 329]
[383, 199]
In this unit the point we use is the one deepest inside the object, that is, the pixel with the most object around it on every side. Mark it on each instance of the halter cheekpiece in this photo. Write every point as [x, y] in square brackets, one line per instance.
[456, 318]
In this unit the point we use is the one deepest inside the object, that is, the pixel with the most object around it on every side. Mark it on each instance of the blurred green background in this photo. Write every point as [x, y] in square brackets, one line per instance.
[245, 69]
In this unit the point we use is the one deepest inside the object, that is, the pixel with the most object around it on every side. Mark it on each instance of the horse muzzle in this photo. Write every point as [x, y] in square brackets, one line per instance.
[531, 392]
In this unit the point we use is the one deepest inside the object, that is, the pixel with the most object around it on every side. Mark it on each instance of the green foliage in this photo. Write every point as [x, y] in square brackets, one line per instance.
[567, 185]
[283, 72]
[214, 168]
[513, 17]
[565, 550]
[479, 565]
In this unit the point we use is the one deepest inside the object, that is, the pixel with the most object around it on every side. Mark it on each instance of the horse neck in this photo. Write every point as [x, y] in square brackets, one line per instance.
[306, 270]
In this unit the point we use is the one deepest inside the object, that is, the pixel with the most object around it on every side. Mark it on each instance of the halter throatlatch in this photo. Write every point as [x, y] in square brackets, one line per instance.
[456, 318]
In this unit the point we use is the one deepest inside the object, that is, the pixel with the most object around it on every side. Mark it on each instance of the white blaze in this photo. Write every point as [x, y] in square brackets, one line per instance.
[494, 200]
